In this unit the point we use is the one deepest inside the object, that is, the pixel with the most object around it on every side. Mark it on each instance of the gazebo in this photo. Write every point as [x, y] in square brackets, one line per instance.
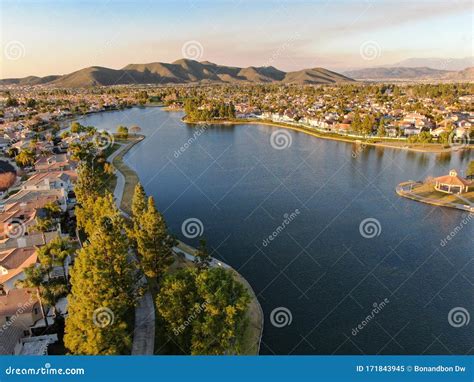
[452, 183]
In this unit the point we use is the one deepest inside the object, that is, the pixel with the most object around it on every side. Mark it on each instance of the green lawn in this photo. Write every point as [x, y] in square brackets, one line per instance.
[428, 191]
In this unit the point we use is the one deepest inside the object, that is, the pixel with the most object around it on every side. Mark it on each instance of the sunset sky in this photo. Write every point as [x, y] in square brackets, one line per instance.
[57, 37]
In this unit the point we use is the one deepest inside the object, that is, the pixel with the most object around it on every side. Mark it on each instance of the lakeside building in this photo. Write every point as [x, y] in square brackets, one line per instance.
[452, 183]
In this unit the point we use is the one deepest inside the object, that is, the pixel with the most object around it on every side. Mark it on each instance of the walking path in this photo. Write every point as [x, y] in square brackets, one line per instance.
[119, 187]
[144, 332]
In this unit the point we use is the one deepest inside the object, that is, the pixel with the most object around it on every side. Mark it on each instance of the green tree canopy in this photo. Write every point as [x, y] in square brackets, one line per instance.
[204, 311]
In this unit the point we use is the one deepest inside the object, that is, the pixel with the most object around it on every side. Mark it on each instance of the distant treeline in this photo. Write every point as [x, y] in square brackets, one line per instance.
[215, 110]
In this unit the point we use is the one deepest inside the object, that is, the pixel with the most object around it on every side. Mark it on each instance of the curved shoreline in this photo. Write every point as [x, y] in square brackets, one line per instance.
[322, 135]
[254, 305]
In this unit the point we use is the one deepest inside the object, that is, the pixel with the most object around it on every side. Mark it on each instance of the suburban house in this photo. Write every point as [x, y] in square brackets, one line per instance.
[20, 311]
[13, 261]
[45, 181]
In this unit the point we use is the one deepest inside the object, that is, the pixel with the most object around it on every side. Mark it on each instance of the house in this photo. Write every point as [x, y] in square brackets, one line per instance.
[462, 132]
[343, 128]
[36, 197]
[438, 131]
[22, 215]
[57, 162]
[411, 130]
[45, 181]
[13, 261]
[37, 345]
[19, 310]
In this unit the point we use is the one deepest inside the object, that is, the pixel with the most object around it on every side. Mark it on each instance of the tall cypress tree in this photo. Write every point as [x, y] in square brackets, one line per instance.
[139, 203]
[154, 244]
[103, 292]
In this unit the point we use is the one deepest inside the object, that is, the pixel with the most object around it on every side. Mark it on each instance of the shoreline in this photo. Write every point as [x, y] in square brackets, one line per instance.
[316, 134]
[256, 322]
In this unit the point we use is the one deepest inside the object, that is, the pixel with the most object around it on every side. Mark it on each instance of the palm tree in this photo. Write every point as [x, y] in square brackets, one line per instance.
[61, 249]
[34, 280]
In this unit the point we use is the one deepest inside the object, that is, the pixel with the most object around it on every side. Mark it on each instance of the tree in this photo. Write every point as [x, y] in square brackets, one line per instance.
[221, 328]
[381, 132]
[176, 302]
[34, 276]
[139, 205]
[30, 102]
[205, 311]
[11, 102]
[367, 125]
[356, 123]
[76, 128]
[470, 169]
[25, 158]
[47, 222]
[444, 137]
[12, 152]
[92, 211]
[202, 259]
[55, 253]
[154, 244]
[103, 292]
[122, 132]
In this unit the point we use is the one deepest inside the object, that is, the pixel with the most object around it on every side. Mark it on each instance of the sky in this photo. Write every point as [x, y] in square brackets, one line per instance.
[57, 37]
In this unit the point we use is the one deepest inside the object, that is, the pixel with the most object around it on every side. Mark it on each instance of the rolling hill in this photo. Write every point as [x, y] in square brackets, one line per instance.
[410, 74]
[453, 64]
[180, 72]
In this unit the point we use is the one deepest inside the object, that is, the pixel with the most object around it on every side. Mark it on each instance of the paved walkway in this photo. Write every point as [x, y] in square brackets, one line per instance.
[118, 192]
[144, 332]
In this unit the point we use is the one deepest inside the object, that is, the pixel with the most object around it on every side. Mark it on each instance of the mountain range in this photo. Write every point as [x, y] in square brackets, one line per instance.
[453, 64]
[411, 74]
[180, 72]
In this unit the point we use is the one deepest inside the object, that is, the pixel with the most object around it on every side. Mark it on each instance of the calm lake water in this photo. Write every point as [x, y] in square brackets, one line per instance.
[319, 267]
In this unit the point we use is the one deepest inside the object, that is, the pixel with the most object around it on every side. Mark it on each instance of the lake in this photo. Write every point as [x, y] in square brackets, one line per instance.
[340, 263]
